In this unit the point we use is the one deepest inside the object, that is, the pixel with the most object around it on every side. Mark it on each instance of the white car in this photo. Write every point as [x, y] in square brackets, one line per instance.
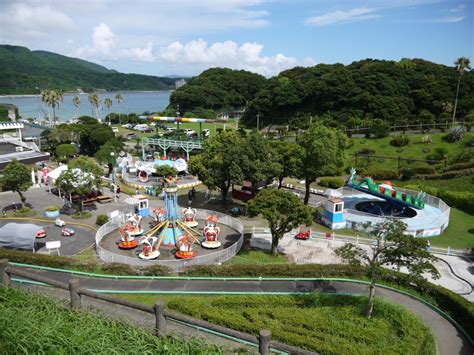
[59, 222]
[206, 132]
[170, 129]
[115, 129]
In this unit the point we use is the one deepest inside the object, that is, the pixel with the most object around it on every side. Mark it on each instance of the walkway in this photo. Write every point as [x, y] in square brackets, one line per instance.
[449, 339]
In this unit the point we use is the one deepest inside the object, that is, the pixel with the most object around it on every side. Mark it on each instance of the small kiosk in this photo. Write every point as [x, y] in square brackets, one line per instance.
[142, 206]
[333, 214]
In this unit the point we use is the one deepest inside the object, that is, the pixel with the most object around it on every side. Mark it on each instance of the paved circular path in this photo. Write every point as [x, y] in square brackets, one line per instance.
[449, 339]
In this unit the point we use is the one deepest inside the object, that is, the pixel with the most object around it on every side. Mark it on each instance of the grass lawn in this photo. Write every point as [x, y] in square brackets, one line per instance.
[31, 324]
[460, 232]
[413, 150]
[327, 324]
[87, 254]
[251, 257]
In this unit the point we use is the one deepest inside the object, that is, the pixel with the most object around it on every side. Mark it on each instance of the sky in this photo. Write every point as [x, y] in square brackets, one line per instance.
[185, 37]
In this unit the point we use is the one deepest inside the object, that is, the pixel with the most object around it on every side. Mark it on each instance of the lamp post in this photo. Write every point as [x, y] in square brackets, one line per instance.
[113, 162]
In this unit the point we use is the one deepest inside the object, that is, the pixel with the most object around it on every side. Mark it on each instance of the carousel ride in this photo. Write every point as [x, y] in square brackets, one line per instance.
[169, 230]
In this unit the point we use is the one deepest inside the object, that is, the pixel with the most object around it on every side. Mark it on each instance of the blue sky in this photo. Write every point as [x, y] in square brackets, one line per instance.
[187, 36]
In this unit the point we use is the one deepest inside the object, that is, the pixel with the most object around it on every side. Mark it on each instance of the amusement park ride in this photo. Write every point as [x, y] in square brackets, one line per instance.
[168, 230]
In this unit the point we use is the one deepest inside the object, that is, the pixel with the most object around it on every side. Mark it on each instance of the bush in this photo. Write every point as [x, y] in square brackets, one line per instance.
[379, 128]
[82, 215]
[400, 140]
[426, 140]
[461, 166]
[407, 173]
[438, 154]
[427, 170]
[463, 157]
[332, 182]
[382, 174]
[51, 208]
[455, 134]
[366, 151]
[101, 219]
[24, 212]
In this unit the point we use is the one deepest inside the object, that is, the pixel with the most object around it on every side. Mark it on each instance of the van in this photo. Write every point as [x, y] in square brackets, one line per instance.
[141, 127]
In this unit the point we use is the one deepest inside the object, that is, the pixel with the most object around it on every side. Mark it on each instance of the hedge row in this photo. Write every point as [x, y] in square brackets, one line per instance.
[382, 174]
[332, 182]
[461, 200]
[461, 166]
[448, 174]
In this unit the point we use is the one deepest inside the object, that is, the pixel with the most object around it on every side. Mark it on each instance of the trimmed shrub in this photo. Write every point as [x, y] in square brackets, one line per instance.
[427, 170]
[332, 182]
[438, 154]
[407, 174]
[82, 215]
[455, 134]
[461, 166]
[463, 157]
[400, 140]
[101, 219]
[52, 208]
[382, 174]
[366, 151]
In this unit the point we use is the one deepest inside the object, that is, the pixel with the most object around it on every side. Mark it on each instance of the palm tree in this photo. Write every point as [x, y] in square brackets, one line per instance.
[95, 102]
[461, 64]
[119, 99]
[58, 97]
[47, 98]
[76, 102]
[108, 103]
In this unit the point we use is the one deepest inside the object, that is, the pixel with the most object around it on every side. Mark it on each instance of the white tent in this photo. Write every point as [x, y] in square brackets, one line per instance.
[54, 174]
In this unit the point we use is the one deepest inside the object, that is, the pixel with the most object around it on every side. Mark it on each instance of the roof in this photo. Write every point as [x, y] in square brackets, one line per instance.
[335, 200]
[11, 125]
[26, 157]
[18, 235]
[54, 174]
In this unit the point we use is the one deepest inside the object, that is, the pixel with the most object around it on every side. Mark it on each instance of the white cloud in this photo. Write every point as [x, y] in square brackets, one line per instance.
[450, 19]
[340, 16]
[21, 22]
[248, 56]
[105, 46]
[459, 8]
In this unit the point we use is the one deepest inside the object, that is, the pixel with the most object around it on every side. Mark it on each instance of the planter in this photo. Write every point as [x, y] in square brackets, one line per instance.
[51, 214]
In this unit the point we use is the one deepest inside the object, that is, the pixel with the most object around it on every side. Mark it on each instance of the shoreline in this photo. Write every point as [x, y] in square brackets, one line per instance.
[87, 93]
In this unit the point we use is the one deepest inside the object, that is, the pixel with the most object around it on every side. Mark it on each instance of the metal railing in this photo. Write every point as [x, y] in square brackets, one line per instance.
[178, 265]
[162, 314]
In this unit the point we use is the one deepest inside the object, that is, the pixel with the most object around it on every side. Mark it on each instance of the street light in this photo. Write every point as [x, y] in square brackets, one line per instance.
[113, 162]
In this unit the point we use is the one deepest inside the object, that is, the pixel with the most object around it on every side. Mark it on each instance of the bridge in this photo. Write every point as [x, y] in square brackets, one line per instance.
[165, 144]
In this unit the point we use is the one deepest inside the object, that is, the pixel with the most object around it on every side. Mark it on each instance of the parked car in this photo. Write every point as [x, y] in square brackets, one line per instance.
[206, 132]
[131, 136]
[115, 129]
[170, 129]
[128, 126]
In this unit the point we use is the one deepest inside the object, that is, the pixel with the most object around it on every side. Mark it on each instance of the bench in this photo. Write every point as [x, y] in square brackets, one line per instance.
[104, 199]
[89, 201]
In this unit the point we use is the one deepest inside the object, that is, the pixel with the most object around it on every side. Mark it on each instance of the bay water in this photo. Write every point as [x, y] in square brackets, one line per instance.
[133, 102]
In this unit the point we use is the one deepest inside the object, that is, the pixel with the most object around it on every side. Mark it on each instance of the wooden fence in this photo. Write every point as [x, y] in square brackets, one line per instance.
[162, 315]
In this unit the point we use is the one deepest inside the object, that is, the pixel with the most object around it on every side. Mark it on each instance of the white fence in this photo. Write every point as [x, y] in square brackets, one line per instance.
[175, 264]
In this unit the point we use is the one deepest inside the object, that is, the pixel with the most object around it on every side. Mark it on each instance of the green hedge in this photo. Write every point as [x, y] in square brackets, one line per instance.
[332, 182]
[382, 174]
[461, 166]
[461, 200]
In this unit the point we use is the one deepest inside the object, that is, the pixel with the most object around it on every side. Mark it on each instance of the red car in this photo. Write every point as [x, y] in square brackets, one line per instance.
[303, 235]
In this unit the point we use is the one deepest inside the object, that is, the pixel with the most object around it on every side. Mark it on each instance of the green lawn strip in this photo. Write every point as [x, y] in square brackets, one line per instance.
[246, 256]
[30, 323]
[460, 232]
[329, 324]
[414, 149]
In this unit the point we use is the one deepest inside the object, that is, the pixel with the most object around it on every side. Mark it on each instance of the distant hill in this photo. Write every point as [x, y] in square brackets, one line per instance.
[22, 71]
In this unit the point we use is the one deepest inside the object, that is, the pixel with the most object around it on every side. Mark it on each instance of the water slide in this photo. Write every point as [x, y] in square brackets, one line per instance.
[386, 192]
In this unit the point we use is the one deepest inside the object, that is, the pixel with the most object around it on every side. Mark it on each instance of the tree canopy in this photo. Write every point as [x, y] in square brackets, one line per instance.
[283, 210]
[16, 177]
[391, 247]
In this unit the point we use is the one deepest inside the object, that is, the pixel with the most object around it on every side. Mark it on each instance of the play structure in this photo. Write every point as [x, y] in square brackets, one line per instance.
[386, 191]
[185, 248]
[363, 200]
[130, 232]
[149, 250]
[189, 214]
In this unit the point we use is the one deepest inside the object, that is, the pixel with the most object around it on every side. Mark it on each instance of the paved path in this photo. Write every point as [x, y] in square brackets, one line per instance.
[449, 339]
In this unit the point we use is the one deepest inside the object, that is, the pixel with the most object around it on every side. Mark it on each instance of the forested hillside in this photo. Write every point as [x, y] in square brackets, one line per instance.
[217, 88]
[353, 95]
[23, 71]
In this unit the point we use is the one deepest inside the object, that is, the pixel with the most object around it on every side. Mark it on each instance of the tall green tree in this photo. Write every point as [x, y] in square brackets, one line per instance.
[119, 99]
[65, 151]
[219, 164]
[104, 156]
[391, 246]
[108, 103]
[461, 64]
[76, 101]
[283, 211]
[323, 154]
[16, 177]
[289, 155]
[258, 160]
